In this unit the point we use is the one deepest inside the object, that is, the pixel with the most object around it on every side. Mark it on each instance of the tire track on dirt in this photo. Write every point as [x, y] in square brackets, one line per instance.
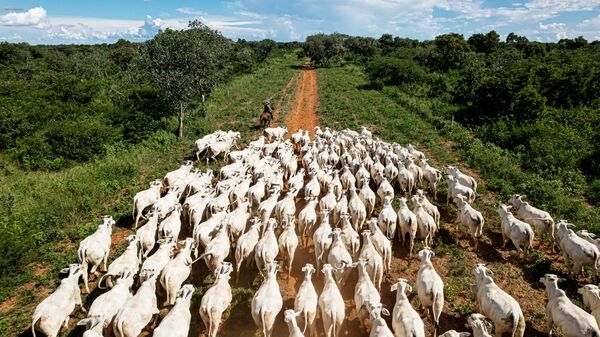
[304, 114]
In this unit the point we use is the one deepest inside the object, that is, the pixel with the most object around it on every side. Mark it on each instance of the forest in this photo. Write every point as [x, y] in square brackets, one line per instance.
[66, 104]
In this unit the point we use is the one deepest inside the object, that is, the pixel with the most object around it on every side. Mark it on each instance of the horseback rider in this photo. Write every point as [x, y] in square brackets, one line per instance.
[267, 108]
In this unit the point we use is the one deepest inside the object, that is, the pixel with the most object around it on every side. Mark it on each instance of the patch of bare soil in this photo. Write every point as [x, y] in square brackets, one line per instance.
[304, 114]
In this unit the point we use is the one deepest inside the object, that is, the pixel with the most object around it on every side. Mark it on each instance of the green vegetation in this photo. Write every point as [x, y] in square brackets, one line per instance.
[67, 104]
[523, 113]
[185, 64]
[43, 215]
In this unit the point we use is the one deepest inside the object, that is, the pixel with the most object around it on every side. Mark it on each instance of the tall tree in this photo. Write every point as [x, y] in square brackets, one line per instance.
[184, 64]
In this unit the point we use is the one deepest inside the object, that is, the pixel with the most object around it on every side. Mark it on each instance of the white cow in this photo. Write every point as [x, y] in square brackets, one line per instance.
[267, 301]
[407, 221]
[495, 303]
[177, 271]
[94, 249]
[244, 249]
[139, 310]
[145, 199]
[331, 304]
[519, 232]
[108, 304]
[55, 310]
[541, 220]
[560, 311]
[470, 218]
[430, 287]
[306, 301]
[130, 260]
[216, 300]
[177, 322]
[405, 320]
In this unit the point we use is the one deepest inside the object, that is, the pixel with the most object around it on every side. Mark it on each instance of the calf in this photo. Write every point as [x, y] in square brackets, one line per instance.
[479, 325]
[289, 316]
[379, 327]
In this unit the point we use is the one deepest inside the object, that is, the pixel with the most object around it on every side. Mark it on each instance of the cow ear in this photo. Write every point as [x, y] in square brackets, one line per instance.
[83, 321]
[394, 287]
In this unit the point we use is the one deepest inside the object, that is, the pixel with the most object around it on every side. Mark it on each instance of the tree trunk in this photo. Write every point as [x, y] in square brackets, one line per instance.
[181, 114]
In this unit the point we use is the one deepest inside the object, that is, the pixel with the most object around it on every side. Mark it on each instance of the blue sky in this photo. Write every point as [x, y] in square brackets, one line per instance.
[69, 21]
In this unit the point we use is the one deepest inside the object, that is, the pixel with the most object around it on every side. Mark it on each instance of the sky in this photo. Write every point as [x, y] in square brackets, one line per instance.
[88, 21]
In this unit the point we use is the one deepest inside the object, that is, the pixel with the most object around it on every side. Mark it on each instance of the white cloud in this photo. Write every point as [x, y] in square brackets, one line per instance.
[593, 23]
[556, 6]
[252, 15]
[33, 17]
[552, 26]
[285, 26]
[189, 11]
[558, 28]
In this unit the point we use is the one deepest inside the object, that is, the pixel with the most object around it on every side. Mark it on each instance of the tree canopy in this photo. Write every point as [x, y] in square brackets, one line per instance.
[186, 63]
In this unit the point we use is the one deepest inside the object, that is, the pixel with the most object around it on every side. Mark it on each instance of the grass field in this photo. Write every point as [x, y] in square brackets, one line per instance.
[43, 216]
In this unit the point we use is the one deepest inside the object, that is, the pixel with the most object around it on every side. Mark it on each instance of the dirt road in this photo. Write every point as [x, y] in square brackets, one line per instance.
[304, 114]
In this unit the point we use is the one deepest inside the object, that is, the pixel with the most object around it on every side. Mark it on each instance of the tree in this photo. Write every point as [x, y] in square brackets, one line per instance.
[386, 41]
[528, 104]
[484, 43]
[363, 47]
[324, 49]
[184, 64]
[518, 41]
[450, 52]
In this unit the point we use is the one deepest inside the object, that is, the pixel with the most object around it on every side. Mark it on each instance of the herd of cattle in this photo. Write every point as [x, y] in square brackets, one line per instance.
[345, 183]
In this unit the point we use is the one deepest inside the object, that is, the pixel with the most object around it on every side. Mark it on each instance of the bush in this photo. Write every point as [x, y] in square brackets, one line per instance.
[385, 70]
[594, 192]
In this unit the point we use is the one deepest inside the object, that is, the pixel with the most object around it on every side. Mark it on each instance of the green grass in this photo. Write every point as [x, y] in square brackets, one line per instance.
[43, 216]
[404, 117]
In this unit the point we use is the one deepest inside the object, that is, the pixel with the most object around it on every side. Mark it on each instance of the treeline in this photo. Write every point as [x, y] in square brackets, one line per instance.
[65, 104]
[541, 101]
